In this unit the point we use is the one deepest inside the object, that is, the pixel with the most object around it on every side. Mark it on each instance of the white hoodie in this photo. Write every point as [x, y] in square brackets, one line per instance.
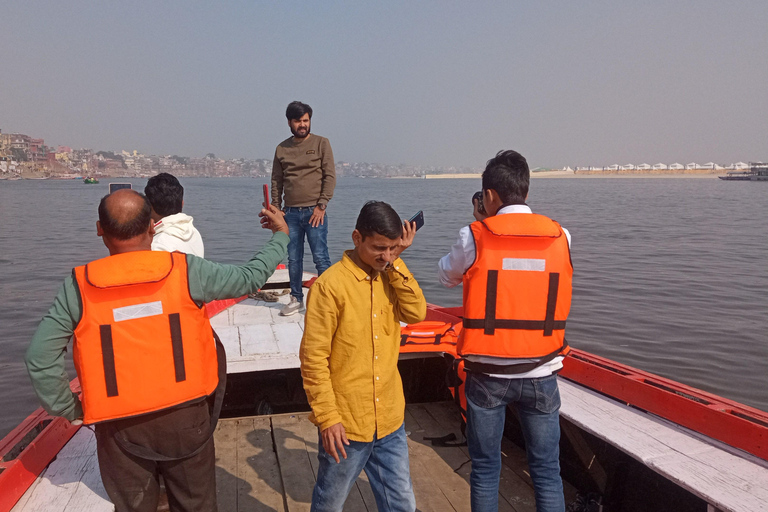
[176, 233]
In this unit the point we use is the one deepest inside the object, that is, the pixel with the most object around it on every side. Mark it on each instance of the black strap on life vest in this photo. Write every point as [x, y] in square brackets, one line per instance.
[490, 323]
[512, 369]
[407, 339]
[178, 347]
[108, 354]
[108, 359]
[218, 399]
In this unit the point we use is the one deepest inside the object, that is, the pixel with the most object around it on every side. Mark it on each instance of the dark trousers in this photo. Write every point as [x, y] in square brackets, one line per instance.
[132, 483]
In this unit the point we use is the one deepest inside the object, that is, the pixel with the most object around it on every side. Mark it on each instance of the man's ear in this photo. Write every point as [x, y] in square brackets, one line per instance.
[151, 229]
[357, 238]
[99, 231]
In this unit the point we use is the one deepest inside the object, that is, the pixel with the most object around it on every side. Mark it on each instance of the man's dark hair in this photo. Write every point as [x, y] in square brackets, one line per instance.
[124, 229]
[507, 173]
[297, 109]
[165, 194]
[379, 217]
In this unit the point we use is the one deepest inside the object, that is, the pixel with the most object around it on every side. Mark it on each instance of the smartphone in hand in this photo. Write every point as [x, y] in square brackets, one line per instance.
[418, 219]
[266, 196]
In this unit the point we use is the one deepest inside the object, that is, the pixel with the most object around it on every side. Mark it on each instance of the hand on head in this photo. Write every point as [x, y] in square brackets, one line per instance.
[409, 233]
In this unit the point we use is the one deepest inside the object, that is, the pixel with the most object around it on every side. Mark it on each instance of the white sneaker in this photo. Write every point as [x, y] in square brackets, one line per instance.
[292, 307]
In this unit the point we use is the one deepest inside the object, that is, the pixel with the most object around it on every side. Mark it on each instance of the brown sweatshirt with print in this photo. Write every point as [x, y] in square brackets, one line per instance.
[304, 172]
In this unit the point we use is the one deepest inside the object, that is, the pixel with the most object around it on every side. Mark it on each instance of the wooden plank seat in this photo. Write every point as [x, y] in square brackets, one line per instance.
[726, 478]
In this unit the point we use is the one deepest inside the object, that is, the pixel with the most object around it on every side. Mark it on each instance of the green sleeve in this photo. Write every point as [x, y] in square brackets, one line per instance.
[213, 281]
[45, 355]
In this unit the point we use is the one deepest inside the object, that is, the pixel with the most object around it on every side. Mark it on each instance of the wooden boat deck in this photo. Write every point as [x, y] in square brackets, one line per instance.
[269, 463]
[256, 337]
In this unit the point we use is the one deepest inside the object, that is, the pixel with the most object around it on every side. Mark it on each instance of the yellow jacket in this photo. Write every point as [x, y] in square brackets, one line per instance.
[351, 344]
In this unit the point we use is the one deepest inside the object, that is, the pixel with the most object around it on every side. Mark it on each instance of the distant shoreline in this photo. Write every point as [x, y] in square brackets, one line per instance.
[537, 175]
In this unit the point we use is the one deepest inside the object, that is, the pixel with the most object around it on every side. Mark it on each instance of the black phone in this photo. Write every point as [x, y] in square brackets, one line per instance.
[479, 197]
[418, 219]
[118, 186]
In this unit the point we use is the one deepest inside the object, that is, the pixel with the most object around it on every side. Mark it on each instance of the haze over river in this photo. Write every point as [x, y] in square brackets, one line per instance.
[671, 275]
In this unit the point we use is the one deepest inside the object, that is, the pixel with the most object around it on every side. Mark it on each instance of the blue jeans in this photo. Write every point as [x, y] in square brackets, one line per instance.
[384, 460]
[297, 219]
[538, 403]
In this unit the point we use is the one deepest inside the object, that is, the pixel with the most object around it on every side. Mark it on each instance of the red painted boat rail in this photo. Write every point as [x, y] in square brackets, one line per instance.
[28, 449]
[733, 423]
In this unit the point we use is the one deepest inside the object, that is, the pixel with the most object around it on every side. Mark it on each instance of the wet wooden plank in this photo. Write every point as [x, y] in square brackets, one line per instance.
[425, 477]
[225, 441]
[260, 486]
[726, 479]
[444, 460]
[515, 487]
[293, 456]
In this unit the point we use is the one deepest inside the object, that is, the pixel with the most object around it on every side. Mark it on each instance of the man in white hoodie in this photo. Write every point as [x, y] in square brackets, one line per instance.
[173, 230]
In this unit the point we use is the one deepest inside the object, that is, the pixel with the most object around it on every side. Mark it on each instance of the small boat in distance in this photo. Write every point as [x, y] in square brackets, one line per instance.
[758, 171]
[90, 180]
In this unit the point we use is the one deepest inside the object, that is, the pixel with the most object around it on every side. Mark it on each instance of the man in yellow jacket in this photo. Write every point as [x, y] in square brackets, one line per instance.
[349, 363]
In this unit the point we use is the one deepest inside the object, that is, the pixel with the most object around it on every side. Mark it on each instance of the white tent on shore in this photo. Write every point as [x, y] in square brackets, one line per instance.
[657, 167]
[643, 167]
[692, 165]
[676, 166]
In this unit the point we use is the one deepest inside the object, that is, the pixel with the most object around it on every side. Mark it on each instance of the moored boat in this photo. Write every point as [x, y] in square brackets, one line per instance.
[90, 180]
[634, 440]
[758, 171]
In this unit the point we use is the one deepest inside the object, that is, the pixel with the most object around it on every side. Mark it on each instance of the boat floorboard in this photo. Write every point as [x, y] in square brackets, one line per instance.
[269, 463]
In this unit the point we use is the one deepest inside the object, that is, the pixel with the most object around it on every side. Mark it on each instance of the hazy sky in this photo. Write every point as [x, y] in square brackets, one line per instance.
[416, 82]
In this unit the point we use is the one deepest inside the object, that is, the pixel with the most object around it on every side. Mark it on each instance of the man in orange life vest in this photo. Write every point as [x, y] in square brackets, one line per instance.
[516, 271]
[145, 355]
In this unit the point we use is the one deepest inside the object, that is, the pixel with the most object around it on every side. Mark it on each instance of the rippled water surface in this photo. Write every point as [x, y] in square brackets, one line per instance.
[670, 274]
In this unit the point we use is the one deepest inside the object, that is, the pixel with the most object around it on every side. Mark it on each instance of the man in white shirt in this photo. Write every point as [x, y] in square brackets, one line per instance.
[516, 270]
[174, 230]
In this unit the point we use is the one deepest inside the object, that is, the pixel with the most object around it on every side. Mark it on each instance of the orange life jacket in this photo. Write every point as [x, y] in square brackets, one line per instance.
[142, 343]
[437, 337]
[517, 293]
[429, 336]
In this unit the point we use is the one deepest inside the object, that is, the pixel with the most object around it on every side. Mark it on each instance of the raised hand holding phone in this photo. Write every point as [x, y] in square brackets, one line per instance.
[409, 233]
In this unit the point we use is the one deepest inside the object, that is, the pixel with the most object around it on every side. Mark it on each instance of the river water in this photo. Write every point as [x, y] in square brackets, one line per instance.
[670, 274]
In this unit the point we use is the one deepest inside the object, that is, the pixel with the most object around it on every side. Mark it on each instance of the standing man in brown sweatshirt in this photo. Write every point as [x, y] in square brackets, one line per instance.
[303, 172]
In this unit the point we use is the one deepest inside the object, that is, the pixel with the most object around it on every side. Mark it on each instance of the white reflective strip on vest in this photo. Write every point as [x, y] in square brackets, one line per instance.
[531, 264]
[423, 333]
[138, 311]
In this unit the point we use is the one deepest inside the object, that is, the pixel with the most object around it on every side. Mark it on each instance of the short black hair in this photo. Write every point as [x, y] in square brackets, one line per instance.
[128, 228]
[165, 193]
[507, 173]
[297, 109]
[379, 217]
